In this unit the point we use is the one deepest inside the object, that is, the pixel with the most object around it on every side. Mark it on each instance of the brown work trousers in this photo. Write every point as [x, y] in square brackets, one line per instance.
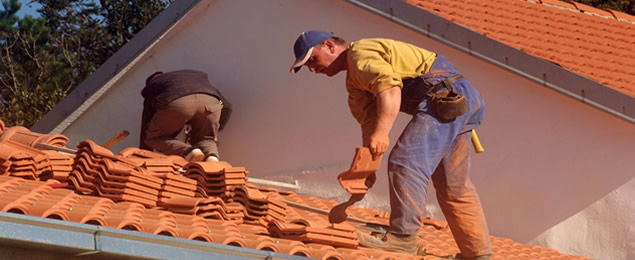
[455, 192]
[459, 201]
[200, 111]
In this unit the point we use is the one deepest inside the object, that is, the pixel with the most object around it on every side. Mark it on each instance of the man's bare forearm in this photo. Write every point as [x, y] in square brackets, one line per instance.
[388, 102]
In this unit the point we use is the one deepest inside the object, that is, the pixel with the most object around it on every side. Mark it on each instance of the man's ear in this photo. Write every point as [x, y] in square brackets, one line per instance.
[330, 45]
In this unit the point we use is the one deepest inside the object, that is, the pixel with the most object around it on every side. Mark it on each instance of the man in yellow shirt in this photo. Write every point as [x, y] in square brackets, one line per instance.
[383, 78]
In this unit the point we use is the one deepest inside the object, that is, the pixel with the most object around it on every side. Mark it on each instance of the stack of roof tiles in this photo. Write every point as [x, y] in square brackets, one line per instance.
[124, 191]
[257, 207]
[167, 168]
[97, 171]
[211, 208]
[215, 179]
[334, 235]
[20, 160]
[19, 157]
[220, 179]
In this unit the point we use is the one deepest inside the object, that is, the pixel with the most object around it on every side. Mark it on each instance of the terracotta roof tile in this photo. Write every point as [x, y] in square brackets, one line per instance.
[121, 191]
[24, 136]
[21, 160]
[598, 44]
[354, 181]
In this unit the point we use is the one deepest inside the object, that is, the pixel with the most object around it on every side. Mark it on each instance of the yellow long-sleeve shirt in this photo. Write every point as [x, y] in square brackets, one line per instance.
[375, 65]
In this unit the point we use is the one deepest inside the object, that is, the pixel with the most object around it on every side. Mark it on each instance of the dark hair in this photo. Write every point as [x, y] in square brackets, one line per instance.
[154, 75]
[338, 40]
[335, 39]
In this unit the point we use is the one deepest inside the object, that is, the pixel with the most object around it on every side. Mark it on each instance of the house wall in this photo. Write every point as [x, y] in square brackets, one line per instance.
[550, 164]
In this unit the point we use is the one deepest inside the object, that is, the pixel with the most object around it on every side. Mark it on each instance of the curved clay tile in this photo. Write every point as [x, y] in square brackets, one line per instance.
[185, 203]
[328, 254]
[63, 205]
[379, 254]
[164, 230]
[140, 153]
[129, 225]
[228, 238]
[253, 229]
[292, 247]
[7, 154]
[264, 245]
[19, 134]
[200, 236]
[95, 149]
[210, 167]
[361, 175]
[9, 183]
[95, 210]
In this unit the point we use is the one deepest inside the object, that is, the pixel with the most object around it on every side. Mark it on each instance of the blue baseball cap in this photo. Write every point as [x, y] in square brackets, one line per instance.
[303, 46]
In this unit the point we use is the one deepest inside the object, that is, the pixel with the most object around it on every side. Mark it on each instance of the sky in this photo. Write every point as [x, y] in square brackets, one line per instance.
[30, 9]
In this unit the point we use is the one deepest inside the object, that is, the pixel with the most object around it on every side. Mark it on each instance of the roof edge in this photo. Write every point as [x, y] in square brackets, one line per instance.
[536, 69]
[84, 239]
[98, 83]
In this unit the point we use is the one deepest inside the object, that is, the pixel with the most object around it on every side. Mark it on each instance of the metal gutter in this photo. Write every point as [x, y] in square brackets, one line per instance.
[75, 239]
[541, 71]
[100, 81]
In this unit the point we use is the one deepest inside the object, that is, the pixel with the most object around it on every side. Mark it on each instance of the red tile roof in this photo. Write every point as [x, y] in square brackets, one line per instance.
[148, 192]
[598, 44]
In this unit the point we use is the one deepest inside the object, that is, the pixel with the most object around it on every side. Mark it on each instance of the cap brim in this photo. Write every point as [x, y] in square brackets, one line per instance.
[297, 65]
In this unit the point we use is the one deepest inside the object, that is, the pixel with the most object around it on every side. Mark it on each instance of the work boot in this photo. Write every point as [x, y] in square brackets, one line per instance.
[211, 158]
[406, 244]
[195, 155]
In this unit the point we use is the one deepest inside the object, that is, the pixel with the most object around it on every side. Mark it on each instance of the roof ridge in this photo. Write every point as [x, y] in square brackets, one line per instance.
[586, 9]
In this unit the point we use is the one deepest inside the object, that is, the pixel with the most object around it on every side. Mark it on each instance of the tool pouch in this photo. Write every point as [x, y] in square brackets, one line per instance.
[447, 104]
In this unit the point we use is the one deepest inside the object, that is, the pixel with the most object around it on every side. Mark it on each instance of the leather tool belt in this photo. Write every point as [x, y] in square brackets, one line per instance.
[448, 104]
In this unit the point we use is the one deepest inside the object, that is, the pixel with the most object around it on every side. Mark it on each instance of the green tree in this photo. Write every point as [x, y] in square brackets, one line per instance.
[124, 19]
[7, 17]
[625, 6]
[26, 92]
[43, 59]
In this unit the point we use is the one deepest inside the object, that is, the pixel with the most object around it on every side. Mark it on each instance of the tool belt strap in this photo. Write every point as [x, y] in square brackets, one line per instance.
[446, 83]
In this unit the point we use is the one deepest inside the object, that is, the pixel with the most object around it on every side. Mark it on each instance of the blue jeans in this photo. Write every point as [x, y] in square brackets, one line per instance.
[432, 149]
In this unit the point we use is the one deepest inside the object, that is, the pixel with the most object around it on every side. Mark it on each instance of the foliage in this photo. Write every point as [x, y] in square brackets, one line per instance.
[42, 59]
[625, 6]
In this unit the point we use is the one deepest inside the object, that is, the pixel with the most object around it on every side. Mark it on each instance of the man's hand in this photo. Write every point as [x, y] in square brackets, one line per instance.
[379, 142]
